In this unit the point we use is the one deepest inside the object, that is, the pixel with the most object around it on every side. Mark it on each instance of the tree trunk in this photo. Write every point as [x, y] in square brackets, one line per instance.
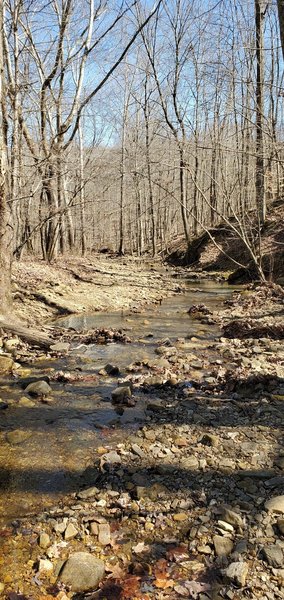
[5, 225]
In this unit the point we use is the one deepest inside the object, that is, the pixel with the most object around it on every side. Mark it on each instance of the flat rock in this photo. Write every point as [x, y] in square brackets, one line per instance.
[26, 402]
[273, 555]
[223, 545]
[104, 534]
[88, 493]
[60, 347]
[232, 517]
[82, 572]
[70, 532]
[275, 504]
[38, 388]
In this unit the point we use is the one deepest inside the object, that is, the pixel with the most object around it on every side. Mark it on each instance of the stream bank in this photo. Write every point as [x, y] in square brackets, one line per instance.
[176, 494]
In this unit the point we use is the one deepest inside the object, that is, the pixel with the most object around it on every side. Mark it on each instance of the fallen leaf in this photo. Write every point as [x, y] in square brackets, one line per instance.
[164, 583]
[140, 548]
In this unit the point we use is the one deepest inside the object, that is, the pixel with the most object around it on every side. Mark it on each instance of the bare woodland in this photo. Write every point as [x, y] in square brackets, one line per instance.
[124, 125]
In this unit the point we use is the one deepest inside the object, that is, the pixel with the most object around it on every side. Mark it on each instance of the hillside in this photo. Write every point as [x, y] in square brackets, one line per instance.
[203, 254]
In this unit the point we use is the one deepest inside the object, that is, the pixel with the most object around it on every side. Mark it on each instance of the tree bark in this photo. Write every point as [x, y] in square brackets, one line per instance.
[5, 225]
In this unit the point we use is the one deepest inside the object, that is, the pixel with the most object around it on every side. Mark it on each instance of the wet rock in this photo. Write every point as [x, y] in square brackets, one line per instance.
[273, 555]
[223, 545]
[70, 532]
[44, 540]
[112, 370]
[38, 388]
[121, 394]
[26, 402]
[236, 573]
[82, 572]
[6, 364]
[275, 504]
[104, 534]
[155, 407]
[60, 347]
[18, 436]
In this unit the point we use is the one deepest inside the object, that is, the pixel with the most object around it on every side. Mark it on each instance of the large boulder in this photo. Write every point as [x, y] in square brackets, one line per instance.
[82, 572]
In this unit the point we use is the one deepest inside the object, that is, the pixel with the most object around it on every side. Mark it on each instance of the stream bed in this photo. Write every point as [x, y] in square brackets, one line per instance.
[59, 437]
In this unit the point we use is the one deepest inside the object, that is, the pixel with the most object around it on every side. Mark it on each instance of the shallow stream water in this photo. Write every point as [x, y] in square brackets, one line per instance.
[62, 436]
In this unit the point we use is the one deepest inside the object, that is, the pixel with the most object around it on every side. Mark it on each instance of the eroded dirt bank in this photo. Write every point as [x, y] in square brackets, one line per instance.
[189, 503]
[95, 283]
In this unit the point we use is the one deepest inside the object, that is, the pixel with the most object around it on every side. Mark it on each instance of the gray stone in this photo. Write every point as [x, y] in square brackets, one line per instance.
[121, 394]
[18, 436]
[189, 462]
[223, 545]
[111, 458]
[82, 572]
[88, 493]
[60, 347]
[232, 517]
[70, 532]
[273, 555]
[275, 504]
[104, 534]
[236, 573]
[137, 450]
[38, 388]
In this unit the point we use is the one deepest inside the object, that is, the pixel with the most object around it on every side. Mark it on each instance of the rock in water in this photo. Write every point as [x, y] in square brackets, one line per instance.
[38, 388]
[82, 572]
[121, 394]
[18, 436]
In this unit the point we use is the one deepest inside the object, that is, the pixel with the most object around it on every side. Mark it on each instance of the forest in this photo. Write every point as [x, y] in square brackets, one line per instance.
[125, 126]
[141, 299]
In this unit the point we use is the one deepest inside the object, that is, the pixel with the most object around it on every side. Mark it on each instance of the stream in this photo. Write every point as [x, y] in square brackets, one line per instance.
[56, 452]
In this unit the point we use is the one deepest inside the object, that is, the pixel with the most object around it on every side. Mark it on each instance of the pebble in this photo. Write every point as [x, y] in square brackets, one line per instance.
[70, 532]
[104, 534]
[44, 540]
[223, 545]
[45, 565]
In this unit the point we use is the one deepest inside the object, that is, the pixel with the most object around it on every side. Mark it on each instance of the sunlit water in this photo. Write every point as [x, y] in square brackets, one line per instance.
[64, 435]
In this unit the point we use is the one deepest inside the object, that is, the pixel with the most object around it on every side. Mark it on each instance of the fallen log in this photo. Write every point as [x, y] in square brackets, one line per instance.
[31, 336]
